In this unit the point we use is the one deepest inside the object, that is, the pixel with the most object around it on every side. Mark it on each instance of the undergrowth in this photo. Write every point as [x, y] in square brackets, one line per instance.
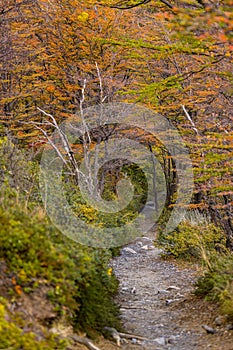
[38, 254]
[79, 283]
[217, 283]
[197, 239]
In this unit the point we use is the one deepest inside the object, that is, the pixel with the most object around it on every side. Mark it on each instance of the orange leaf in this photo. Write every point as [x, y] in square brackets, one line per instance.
[18, 289]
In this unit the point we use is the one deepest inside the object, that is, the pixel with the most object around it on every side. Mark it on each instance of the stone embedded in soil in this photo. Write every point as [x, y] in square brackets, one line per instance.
[229, 327]
[173, 288]
[209, 329]
[172, 339]
[220, 320]
[161, 340]
[169, 301]
[147, 247]
[128, 250]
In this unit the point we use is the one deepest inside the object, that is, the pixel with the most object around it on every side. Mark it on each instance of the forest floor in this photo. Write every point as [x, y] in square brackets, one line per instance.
[157, 303]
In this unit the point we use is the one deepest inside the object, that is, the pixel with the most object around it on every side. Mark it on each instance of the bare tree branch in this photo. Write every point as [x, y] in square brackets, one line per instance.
[202, 3]
[84, 341]
[64, 139]
[122, 5]
[48, 139]
[190, 119]
[125, 5]
[102, 97]
[86, 141]
[72, 165]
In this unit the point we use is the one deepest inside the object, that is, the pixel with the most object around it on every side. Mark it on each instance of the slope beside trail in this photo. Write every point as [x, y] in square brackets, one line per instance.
[157, 302]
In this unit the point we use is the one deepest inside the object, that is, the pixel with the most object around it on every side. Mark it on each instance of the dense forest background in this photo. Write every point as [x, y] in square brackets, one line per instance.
[174, 57]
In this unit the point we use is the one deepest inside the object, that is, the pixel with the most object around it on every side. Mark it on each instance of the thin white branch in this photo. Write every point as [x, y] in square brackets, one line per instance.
[81, 102]
[49, 141]
[96, 168]
[220, 126]
[102, 97]
[84, 341]
[63, 137]
[86, 140]
[72, 164]
[190, 119]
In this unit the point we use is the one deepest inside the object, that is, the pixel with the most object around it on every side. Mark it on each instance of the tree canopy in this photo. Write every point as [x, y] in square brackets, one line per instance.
[171, 56]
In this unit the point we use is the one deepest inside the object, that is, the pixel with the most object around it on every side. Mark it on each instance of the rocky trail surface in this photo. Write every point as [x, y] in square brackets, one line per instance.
[158, 305]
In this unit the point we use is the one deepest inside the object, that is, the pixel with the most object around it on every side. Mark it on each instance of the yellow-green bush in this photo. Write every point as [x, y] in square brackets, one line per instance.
[193, 239]
[35, 251]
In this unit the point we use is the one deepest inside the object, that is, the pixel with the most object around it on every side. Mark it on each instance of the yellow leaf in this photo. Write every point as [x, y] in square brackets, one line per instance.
[83, 17]
[109, 272]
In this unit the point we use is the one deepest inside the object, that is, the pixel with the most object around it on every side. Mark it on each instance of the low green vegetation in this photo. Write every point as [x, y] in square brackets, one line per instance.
[217, 283]
[33, 249]
[198, 240]
[97, 218]
[78, 281]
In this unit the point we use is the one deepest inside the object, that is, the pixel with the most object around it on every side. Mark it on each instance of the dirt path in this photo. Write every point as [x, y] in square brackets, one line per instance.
[157, 303]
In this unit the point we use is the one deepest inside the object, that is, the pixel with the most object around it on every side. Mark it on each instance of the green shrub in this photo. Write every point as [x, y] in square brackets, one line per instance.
[195, 238]
[217, 283]
[77, 277]
[18, 176]
[38, 254]
[95, 305]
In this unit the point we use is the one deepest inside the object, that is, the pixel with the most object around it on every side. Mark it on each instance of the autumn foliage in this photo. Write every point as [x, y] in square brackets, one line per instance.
[174, 59]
